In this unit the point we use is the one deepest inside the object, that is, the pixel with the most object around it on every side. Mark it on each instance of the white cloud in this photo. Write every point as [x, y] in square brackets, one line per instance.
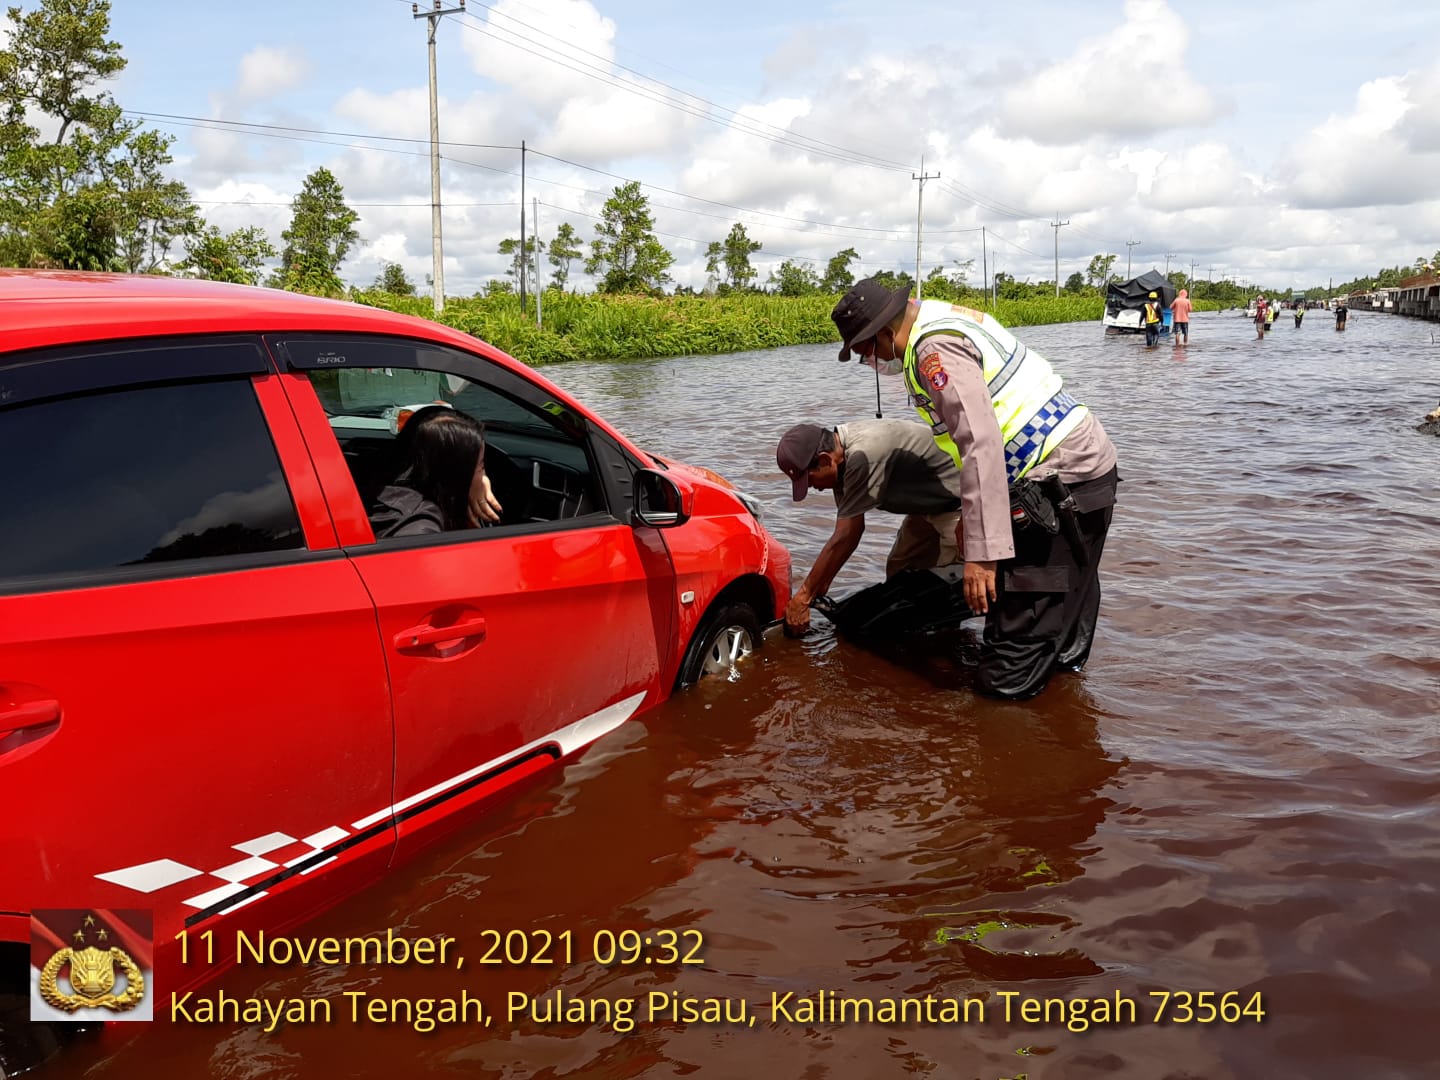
[268, 71]
[1206, 174]
[1362, 158]
[1129, 81]
[1420, 127]
[541, 50]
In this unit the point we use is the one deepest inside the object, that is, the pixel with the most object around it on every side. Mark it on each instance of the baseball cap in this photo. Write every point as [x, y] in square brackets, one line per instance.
[796, 452]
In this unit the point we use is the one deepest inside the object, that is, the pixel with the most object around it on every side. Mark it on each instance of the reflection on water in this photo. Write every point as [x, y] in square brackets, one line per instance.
[1240, 794]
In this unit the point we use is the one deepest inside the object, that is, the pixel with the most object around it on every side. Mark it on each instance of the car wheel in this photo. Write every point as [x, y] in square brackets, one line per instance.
[726, 637]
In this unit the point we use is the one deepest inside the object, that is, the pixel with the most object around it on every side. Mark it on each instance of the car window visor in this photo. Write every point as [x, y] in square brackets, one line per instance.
[320, 353]
[77, 370]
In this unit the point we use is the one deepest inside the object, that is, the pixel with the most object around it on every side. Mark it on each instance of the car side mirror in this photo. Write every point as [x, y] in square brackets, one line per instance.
[660, 501]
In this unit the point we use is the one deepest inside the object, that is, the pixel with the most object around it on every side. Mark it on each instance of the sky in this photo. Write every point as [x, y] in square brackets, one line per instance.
[1280, 144]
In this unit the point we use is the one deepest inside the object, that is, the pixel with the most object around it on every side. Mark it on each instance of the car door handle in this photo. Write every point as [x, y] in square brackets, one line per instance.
[418, 637]
[17, 713]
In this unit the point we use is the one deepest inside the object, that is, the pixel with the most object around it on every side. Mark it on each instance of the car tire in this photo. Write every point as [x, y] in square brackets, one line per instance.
[728, 635]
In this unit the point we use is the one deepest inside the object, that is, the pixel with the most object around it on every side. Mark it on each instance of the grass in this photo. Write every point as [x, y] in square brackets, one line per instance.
[597, 327]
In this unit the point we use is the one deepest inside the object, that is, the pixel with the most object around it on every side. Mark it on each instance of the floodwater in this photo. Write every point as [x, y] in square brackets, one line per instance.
[1240, 797]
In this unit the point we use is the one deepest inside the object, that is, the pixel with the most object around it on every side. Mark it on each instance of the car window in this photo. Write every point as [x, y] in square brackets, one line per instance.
[537, 456]
[130, 477]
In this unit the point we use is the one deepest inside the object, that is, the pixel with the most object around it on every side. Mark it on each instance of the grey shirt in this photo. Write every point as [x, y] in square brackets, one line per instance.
[896, 466]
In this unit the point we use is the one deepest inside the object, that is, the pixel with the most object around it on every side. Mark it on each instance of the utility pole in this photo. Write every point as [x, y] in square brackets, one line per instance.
[984, 263]
[1191, 278]
[1168, 257]
[524, 258]
[1057, 224]
[919, 212]
[437, 253]
[1128, 245]
[539, 288]
[1212, 275]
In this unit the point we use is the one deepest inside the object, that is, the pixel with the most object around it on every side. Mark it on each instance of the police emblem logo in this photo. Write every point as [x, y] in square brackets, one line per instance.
[933, 372]
[91, 964]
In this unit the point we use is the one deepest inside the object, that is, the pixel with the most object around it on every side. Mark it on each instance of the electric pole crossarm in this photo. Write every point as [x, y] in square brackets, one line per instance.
[437, 252]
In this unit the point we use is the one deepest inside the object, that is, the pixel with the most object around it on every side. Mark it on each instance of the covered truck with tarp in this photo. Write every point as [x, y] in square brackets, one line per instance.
[1125, 302]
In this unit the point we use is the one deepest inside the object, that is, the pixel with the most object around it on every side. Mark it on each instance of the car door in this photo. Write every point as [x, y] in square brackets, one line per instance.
[508, 646]
[194, 712]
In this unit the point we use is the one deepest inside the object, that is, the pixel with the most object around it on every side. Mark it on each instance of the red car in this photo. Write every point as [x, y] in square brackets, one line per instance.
[222, 698]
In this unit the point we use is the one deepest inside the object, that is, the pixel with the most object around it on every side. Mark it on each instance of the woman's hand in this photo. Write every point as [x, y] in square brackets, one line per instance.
[483, 504]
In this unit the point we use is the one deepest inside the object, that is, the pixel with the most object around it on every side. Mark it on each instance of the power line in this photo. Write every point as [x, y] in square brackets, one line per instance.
[787, 134]
[746, 126]
[277, 131]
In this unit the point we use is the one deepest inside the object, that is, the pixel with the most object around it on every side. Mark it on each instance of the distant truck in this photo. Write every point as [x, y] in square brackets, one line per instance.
[1125, 303]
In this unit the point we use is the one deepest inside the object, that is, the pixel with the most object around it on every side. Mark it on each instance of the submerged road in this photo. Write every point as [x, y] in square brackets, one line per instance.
[1240, 796]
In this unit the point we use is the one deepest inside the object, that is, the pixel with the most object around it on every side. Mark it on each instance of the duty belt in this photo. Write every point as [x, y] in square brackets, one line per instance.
[1029, 442]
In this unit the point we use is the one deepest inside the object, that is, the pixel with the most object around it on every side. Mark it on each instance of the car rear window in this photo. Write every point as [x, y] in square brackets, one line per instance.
[125, 478]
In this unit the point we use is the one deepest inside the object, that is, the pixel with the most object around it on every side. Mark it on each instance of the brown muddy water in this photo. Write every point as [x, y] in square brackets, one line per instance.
[1240, 794]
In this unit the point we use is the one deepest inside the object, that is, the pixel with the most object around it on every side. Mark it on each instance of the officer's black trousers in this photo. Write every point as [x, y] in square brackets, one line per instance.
[1048, 601]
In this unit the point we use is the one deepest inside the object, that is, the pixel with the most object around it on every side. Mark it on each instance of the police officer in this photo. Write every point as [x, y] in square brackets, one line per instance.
[1030, 455]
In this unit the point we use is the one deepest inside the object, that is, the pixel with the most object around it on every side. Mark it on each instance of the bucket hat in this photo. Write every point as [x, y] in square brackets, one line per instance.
[866, 309]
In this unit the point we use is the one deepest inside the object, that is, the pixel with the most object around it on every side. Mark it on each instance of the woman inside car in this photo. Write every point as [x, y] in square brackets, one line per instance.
[442, 485]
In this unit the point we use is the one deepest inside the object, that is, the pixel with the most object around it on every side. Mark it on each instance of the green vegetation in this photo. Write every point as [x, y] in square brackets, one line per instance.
[601, 327]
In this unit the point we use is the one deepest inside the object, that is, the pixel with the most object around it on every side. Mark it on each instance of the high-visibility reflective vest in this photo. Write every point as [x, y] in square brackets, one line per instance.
[1152, 312]
[1034, 412]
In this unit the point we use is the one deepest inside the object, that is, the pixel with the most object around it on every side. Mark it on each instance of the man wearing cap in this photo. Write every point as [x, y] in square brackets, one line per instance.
[1152, 320]
[891, 465]
[1029, 454]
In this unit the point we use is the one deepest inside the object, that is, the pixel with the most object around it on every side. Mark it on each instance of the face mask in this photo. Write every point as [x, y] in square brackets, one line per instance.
[884, 367]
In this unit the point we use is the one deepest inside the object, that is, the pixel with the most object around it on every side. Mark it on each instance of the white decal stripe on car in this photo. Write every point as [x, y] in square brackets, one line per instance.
[214, 896]
[147, 877]
[261, 844]
[245, 868]
[324, 838]
[569, 739]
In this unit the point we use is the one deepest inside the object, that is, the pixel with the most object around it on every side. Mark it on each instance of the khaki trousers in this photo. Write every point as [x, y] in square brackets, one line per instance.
[924, 540]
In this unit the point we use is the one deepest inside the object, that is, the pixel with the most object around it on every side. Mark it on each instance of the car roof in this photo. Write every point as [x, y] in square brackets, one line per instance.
[54, 307]
[43, 308]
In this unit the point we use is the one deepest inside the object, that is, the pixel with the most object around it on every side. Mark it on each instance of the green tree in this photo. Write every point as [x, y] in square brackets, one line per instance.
[237, 257]
[1075, 283]
[93, 196]
[838, 277]
[393, 280]
[321, 233]
[738, 249]
[153, 212]
[533, 246]
[626, 255]
[714, 256]
[793, 279]
[1097, 273]
[893, 280]
[563, 249]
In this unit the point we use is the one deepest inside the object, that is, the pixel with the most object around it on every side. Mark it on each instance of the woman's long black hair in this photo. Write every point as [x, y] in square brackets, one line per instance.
[442, 447]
